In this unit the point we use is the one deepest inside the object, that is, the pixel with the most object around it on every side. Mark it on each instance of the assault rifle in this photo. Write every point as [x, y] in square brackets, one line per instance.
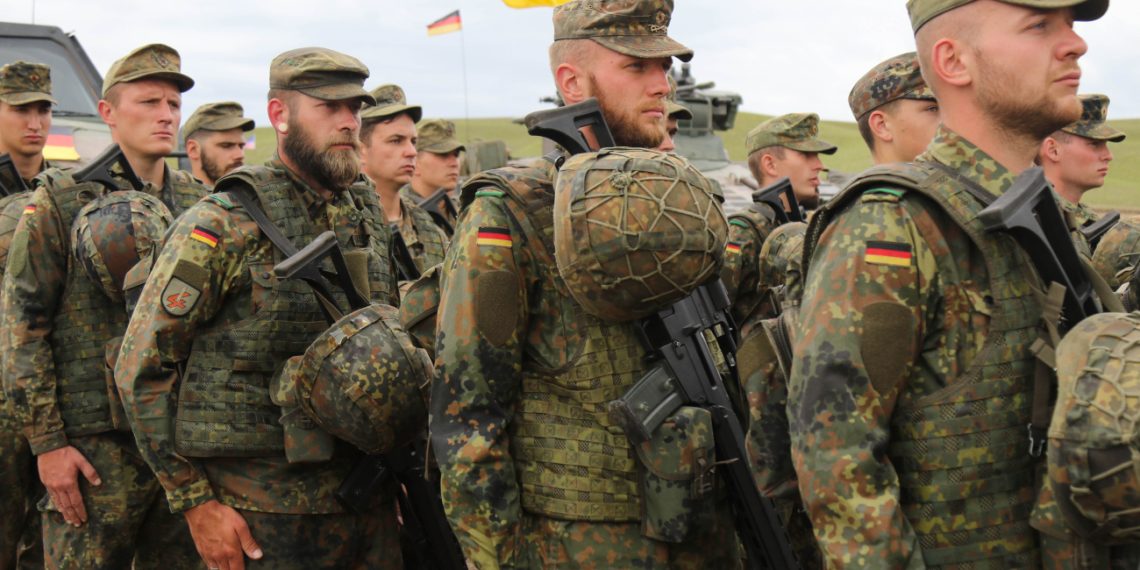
[1096, 230]
[770, 195]
[10, 180]
[440, 214]
[683, 372]
[425, 522]
[100, 170]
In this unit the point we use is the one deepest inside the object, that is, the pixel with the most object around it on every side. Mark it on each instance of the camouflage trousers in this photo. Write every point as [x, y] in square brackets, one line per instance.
[128, 518]
[21, 542]
[553, 543]
[342, 541]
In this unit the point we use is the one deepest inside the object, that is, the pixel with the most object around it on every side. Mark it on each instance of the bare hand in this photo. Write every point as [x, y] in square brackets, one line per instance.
[221, 536]
[59, 471]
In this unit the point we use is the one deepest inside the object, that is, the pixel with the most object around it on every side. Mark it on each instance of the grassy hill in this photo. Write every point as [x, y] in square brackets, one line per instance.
[1121, 190]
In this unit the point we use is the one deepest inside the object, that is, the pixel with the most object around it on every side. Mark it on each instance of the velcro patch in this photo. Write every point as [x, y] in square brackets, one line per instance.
[888, 253]
[494, 237]
[184, 288]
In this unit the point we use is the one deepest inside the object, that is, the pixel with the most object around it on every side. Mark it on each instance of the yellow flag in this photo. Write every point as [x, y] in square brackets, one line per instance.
[533, 3]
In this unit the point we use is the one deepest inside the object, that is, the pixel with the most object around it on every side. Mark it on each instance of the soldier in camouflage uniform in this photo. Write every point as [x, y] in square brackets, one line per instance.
[215, 140]
[388, 158]
[200, 373]
[535, 474]
[674, 114]
[1075, 159]
[912, 380]
[103, 507]
[785, 146]
[1116, 259]
[895, 110]
[25, 119]
[437, 164]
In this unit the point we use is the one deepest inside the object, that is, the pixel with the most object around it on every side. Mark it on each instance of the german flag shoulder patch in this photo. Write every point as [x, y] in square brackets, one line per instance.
[732, 247]
[494, 237]
[29, 209]
[205, 236]
[888, 253]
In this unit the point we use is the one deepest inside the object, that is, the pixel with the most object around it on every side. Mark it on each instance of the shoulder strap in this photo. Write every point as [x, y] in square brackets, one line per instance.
[246, 197]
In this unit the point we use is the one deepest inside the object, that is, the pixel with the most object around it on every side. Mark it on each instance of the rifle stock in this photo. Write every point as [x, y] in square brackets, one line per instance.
[100, 170]
[405, 264]
[1096, 230]
[771, 195]
[439, 215]
[578, 128]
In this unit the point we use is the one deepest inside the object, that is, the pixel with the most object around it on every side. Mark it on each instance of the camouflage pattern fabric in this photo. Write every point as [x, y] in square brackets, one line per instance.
[639, 29]
[896, 78]
[797, 131]
[437, 136]
[408, 193]
[114, 233]
[1093, 123]
[364, 381]
[780, 259]
[1118, 253]
[426, 241]
[220, 116]
[894, 274]
[419, 305]
[508, 328]
[1078, 216]
[129, 523]
[635, 230]
[923, 11]
[151, 61]
[303, 542]
[22, 82]
[747, 231]
[20, 536]
[390, 100]
[320, 73]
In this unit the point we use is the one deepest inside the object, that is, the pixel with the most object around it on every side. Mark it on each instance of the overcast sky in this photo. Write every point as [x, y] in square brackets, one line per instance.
[782, 56]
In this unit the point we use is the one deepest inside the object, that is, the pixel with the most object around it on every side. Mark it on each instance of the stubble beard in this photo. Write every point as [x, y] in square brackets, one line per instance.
[625, 126]
[1034, 118]
[211, 167]
[330, 169]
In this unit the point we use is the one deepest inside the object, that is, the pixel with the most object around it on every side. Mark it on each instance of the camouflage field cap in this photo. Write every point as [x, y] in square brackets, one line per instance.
[320, 73]
[923, 11]
[390, 100]
[437, 136]
[673, 109]
[896, 78]
[152, 61]
[1092, 124]
[221, 116]
[22, 82]
[797, 131]
[637, 28]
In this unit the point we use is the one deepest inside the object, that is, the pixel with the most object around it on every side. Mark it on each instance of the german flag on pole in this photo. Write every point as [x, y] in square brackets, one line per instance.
[446, 25]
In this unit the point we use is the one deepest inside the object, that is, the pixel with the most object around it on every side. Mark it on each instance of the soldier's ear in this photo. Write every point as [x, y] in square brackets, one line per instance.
[1050, 150]
[880, 126]
[572, 82]
[193, 151]
[106, 113]
[278, 115]
[953, 62]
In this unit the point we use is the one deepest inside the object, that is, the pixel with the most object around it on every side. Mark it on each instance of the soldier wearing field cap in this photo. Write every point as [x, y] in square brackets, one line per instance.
[215, 140]
[388, 158]
[103, 509]
[789, 146]
[437, 166]
[534, 473]
[203, 370]
[1076, 158]
[917, 403]
[895, 110]
[674, 113]
[25, 120]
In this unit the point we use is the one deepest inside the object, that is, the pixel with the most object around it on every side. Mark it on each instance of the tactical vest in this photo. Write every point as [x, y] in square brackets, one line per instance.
[966, 477]
[758, 220]
[572, 462]
[224, 405]
[86, 319]
[432, 247]
[11, 208]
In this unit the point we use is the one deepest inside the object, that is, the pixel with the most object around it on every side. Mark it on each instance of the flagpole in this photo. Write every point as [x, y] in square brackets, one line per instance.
[466, 109]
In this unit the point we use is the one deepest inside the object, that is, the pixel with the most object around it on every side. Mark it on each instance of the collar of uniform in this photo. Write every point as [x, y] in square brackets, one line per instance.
[969, 161]
[408, 229]
[313, 201]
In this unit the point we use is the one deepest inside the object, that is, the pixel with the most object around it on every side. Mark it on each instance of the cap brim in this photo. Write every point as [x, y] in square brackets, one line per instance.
[646, 46]
[381, 111]
[674, 110]
[1101, 132]
[26, 97]
[227, 123]
[183, 82]
[1083, 10]
[339, 92]
[445, 147]
[813, 145]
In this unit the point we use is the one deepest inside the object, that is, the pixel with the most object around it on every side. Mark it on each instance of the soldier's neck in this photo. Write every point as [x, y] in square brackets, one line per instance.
[1071, 193]
[28, 165]
[148, 168]
[389, 200]
[1015, 151]
[422, 188]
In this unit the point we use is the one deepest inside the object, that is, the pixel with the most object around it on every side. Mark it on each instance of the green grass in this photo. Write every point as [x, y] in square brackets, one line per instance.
[1121, 190]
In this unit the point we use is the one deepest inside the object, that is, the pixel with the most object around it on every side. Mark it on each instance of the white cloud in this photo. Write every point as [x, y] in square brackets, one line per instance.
[781, 56]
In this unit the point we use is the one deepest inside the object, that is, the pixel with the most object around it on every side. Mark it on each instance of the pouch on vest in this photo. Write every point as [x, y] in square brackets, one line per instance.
[678, 476]
[110, 357]
[357, 262]
[305, 442]
[419, 305]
